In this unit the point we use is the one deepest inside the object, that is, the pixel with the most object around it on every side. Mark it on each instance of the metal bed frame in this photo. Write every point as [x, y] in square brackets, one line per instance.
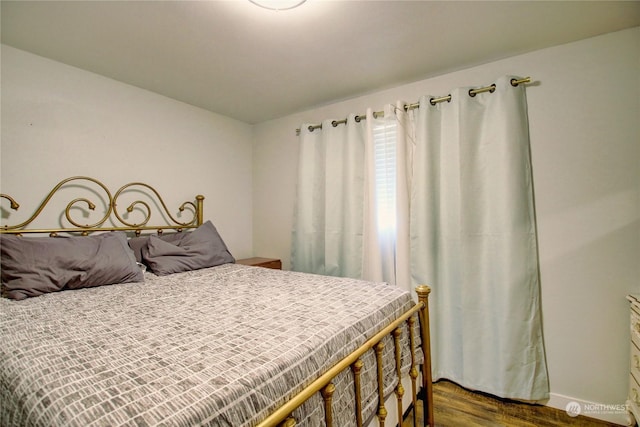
[115, 221]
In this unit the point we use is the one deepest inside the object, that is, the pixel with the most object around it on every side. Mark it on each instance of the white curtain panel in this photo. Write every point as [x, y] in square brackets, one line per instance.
[473, 239]
[328, 227]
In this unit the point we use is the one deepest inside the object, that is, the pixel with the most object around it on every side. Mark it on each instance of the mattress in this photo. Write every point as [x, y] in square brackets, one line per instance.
[221, 346]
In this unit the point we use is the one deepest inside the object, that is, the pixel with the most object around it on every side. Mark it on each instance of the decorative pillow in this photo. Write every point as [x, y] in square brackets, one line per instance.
[200, 248]
[137, 243]
[33, 266]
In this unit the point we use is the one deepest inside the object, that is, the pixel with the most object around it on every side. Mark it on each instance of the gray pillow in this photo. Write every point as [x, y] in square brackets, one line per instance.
[33, 266]
[200, 248]
[137, 243]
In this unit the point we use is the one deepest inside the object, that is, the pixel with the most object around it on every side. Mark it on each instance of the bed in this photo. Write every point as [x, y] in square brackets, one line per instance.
[125, 322]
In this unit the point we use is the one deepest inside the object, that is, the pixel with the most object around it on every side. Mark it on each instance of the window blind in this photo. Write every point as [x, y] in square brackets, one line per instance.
[384, 137]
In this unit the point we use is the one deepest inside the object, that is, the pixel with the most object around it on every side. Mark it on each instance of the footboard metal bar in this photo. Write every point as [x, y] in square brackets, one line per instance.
[413, 371]
[422, 308]
[357, 369]
[382, 411]
[397, 333]
[427, 383]
[327, 395]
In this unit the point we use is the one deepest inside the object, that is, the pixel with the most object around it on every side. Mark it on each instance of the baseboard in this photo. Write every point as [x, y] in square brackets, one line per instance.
[612, 412]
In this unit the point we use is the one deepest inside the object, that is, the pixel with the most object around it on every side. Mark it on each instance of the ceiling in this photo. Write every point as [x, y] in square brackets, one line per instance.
[253, 64]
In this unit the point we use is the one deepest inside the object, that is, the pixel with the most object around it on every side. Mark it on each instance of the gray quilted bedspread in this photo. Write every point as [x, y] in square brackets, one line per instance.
[222, 346]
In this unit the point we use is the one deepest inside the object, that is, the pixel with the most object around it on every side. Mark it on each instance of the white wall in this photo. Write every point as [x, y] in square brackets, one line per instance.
[584, 111]
[59, 121]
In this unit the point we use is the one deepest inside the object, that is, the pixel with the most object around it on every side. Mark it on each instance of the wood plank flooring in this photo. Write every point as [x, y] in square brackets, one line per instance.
[456, 407]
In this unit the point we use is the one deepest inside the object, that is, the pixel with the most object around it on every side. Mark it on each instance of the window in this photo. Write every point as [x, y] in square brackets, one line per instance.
[384, 137]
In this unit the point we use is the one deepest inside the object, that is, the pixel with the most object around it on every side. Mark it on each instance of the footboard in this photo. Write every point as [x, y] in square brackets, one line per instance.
[324, 385]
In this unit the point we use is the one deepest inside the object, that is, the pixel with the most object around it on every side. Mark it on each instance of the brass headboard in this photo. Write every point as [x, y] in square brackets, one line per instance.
[112, 219]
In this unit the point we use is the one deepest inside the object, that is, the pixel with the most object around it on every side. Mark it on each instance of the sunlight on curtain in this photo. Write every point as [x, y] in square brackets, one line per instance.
[378, 240]
[385, 194]
[384, 142]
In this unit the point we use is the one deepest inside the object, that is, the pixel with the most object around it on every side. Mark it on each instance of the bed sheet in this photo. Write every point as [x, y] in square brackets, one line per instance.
[222, 346]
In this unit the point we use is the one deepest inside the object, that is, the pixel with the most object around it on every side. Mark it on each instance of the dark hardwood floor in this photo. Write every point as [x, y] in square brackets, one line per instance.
[457, 407]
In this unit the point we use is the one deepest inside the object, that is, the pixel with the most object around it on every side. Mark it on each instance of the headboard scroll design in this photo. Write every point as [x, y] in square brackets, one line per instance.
[111, 203]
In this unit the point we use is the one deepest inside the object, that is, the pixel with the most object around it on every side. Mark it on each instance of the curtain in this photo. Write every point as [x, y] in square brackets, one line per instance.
[328, 227]
[473, 237]
[463, 222]
[338, 229]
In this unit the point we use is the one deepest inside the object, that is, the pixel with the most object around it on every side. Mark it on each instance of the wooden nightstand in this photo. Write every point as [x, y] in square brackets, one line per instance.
[274, 263]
